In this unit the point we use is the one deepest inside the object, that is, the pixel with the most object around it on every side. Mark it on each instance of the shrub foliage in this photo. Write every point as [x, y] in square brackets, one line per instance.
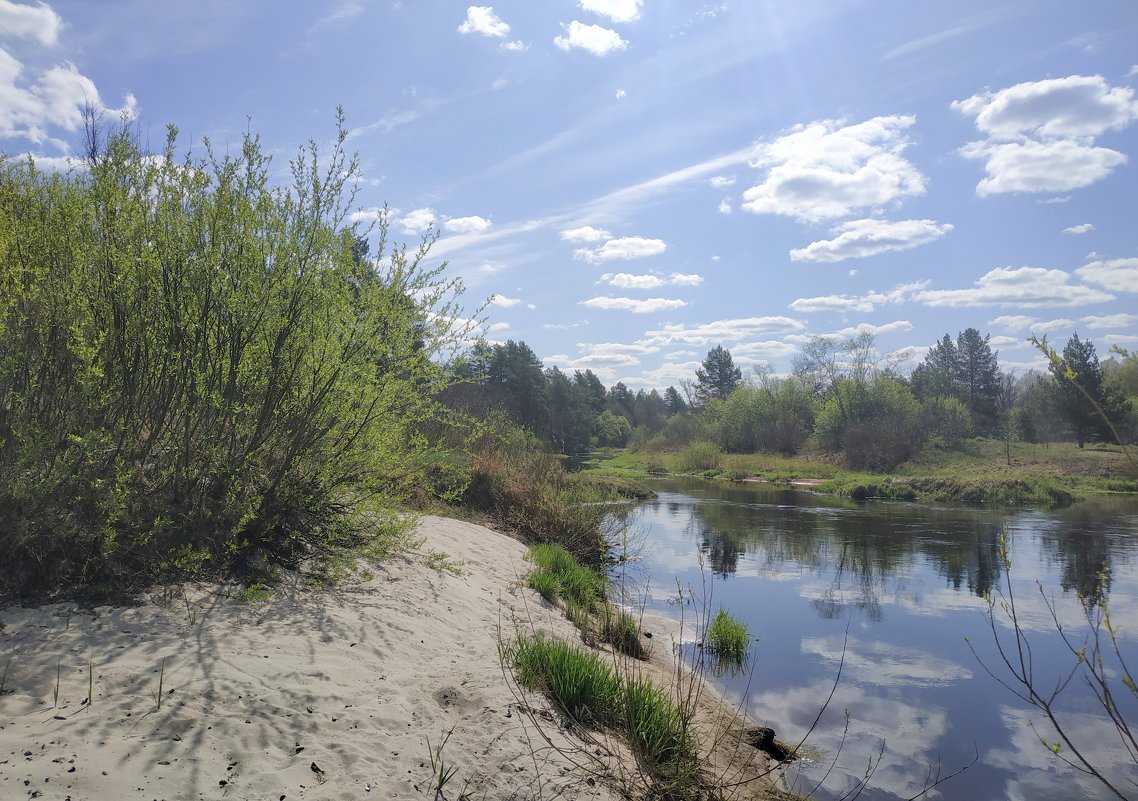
[199, 369]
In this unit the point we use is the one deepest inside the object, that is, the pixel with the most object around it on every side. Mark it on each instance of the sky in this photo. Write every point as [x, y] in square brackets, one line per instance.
[634, 182]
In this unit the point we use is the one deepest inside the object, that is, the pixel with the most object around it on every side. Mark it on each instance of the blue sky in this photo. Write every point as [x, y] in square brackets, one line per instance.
[637, 181]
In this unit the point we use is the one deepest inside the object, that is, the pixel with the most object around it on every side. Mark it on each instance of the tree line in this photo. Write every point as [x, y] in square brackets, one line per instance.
[842, 396]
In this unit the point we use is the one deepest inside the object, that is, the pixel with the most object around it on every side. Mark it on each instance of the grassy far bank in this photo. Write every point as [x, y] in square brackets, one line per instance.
[976, 471]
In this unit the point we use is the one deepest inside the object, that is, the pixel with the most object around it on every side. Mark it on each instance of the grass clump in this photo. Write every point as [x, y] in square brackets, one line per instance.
[588, 691]
[579, 683]
[558, 575]
[622, 632]
[727, 638]
[699, 456]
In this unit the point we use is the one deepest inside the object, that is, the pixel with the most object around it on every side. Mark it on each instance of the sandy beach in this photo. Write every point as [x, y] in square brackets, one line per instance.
[326, 693]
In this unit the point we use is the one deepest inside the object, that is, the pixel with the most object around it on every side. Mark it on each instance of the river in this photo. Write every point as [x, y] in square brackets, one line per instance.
[894, 593]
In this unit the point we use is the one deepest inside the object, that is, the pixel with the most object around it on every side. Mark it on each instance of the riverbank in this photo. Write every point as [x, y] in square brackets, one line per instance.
[977, 471]
[345, 692]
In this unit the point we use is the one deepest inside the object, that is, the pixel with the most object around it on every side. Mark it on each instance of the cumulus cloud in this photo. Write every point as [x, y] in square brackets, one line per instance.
[1116, 275]
[1058, 108]
[1082, 228]
[467, 225]
[770, 348]
[1030, 287]
[633, 305]
[620, 94]
[417, 221]
[649, 281]
[1030, 166]
[1040, 134]
[37, 22]
[826, 169]
[483, 20]
[585, 233]
[725, 206]
[1098, 322]
[722, 181]
[857, 239]
[858, 303]
[719, 331]
[515, 46]
[626, 281]
[505, 302]
[615, 10]
[682, 279]
[591, 38]
[495, 328]
[628, 247]
[32, 103]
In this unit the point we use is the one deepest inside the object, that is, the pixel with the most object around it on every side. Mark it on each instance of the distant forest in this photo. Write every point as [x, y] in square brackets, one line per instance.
[842, 397]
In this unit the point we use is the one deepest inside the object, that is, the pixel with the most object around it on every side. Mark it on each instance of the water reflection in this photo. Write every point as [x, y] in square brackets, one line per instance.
[890, 591]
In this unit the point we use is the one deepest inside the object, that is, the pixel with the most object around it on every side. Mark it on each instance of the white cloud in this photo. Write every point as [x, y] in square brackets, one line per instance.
[628, 247]
[650, 281]
[626, 281]
[1130, 73]
[725, 206]
[621, 94]
[1057, 108]
[1116, 275]
[585, 233]
[593, 38]
[722, 181]
[868, 328]
[859, 303]
[32, 22]
[771, 348]
[55, 97]
[1098, 322]
[1013, 322]
[682, 279]
[418, 221]
[467, 225]
[857, 239]
[616, 10]
[1030, 166]
[719, 331]
[1051, 200]
[1082, 228]
[635, 306]
[514, 46]
[1041, 134]
[497, 327]
[505, 302]
[1030, 287]
[826, 169]
[483, 20]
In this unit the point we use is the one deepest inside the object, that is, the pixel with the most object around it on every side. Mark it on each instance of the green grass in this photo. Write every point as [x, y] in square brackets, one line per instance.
[622, 632]
[727, 638]
[578, 682]
[587, 689]
[558, 575]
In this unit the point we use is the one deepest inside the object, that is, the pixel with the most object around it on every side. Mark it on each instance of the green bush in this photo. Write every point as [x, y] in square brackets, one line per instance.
[698, 456]
[200, 370]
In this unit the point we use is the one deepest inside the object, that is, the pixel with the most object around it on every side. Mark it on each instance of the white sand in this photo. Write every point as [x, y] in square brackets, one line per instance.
[311, 694]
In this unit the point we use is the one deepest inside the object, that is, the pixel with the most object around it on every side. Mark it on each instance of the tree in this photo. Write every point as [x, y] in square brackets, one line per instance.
[570, 416]
[978, 378]
[936, 375]
[594, 389]
[515, 374]
[673, 401]
[718, 377]
[1085, 402]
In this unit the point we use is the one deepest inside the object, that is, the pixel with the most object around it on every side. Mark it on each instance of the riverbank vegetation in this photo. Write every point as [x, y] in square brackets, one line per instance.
[956, 429]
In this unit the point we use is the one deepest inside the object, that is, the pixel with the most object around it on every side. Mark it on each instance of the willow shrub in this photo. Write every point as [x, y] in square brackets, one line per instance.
[200, 372]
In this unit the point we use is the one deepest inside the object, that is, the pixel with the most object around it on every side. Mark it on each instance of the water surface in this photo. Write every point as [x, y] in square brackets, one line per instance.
[891, 591]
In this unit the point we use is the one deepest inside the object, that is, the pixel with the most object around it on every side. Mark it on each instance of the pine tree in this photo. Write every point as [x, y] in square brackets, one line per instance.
[935, 377]
[674, 401]
[718, 377]
[1079, 389]
[978, 378]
